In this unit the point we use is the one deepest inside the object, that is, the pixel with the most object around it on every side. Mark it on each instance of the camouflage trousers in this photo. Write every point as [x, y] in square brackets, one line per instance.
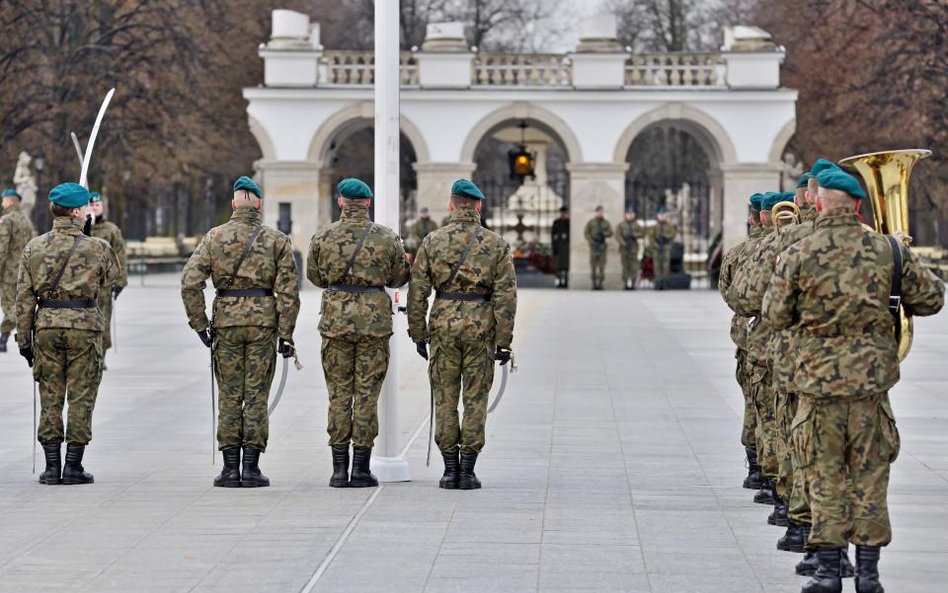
[762, 394]
[7, 302]
[661, 259]
[748, 431]
[456, 362]
[597, 264]
[105, 305]
[791, 478]
[355, 369]
[68, 368]
[244, 363]
[630, 265]
[845, 446]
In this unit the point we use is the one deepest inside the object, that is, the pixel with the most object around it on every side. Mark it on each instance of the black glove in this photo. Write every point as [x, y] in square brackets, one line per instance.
[503, 355]
[285, 347]
[87, 227]
[117, 290]
[422, 348]
[27, 353]
[206, 337]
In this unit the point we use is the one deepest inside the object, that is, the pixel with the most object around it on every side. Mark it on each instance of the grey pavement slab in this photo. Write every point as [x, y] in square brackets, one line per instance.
[613, 464]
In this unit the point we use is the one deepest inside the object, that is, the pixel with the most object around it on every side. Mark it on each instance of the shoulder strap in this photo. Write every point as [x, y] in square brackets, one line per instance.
[243, 255]
[355, 252]
[467, 248]
[62, 268]
[895, 291]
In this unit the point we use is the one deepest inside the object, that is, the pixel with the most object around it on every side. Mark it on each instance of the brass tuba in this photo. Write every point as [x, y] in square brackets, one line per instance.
[785, 212]
[887, 178]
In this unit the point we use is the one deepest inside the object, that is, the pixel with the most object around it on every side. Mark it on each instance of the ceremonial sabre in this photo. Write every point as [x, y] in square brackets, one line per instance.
[34, 425]
[286, 366]
[75, 142]
[84, 174]
[503, 382]
[213, 415]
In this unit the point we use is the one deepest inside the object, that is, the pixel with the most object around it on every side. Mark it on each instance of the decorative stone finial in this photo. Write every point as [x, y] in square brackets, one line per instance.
[445, 37]
[598, 34]
[747, 39]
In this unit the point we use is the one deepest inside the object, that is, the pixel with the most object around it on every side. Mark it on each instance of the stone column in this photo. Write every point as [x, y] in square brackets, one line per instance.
[740, 181]
[716, 202]
[593, 184]
[434, 185]
[296, 182]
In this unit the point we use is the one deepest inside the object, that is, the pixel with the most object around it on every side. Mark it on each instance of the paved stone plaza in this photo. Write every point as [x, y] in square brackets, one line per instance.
[613, 464]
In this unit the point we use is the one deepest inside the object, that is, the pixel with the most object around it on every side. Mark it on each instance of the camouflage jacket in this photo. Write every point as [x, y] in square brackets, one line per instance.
[628, 235]
[89, 270]
[597, 231]
[111, 234]
[809, 214]
[834, 287]
[16, 230]
[269, 264]
[488, 269]
[662, 235]
[423, 226]
[734, 254]
[379, 262]
[756, 341]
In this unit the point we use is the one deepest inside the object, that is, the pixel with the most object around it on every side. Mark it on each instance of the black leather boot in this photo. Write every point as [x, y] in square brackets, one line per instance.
[3, 341]
[230, 474]
[826, 579]
[468, 479]
[73, 472]
[251, 476]
[340, 467]
[779, 516]
[449, 481]
[766, 493]
[794, 539]
[362, 476]
[867, 570]
[754, 479]
[807, 566]
[846, 569]
[54, 470]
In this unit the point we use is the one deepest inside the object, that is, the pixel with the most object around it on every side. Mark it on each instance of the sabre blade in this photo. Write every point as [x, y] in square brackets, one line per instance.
[78, 147]
[84, 174]
[279, 393]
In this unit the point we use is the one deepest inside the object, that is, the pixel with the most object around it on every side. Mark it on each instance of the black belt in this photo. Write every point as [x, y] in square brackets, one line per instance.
[244, 292]
[462, 296]
[356, 288]
[76, 304]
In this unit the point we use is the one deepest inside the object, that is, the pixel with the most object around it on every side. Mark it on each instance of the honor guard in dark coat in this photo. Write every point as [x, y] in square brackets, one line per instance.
[559, 242]
[255, 309]
[110, 233]
[16, 230]
[471, 271]
[59, 327]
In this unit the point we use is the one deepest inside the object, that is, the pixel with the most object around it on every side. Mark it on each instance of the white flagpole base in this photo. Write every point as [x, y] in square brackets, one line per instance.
[391, 469]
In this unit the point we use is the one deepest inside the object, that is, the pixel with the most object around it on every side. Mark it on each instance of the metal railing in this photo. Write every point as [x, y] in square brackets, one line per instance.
[675, 69]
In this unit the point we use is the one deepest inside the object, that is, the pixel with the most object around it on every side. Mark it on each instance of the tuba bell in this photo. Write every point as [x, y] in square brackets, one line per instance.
[786, 213]
[887, 180]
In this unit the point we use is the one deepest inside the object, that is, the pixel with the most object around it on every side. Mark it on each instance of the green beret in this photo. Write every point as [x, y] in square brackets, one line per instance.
[598, 208]
[467, 189]
[841, 180]
[353, 188]
[69, 195]
[822, 164]
[755, 201]
[802, 181]
[771, 199]
[244, 182]
[95, 197]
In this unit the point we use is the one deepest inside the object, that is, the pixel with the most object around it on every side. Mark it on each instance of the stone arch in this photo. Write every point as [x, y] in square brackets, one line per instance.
[259, 133]
[521, 111]
[353, 118]
[781, 141]
[701, 125]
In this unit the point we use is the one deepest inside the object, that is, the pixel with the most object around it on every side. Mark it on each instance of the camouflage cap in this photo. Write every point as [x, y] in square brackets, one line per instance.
[842, 181]
[69, 195]
[802, 181]
[354, 189]
[822, 164]
[11, 193]
[466, 189]
[244, 182]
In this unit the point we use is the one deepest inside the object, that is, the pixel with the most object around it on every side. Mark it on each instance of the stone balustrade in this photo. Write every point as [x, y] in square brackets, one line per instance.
[342, 67]
[675, 69]
[509, 69]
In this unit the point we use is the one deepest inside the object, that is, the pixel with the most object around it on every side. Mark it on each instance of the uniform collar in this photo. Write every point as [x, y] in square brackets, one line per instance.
[68, 225]
[838, 217]
[466, 215]
[355, 213]
[247, 214]
[12, 208]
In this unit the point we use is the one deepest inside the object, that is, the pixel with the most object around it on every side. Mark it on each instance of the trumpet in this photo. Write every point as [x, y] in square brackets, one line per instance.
[785, 212]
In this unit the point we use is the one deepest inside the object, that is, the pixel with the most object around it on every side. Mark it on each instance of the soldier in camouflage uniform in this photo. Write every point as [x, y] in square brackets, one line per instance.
[559, 244]
[471, 271]
[253, 270]
[354, 259]
[834, 285]
[754, 480]
[628, 233]
[661, 236]
[61, 275]
[596, 232]
[111, 234]
[16, 230]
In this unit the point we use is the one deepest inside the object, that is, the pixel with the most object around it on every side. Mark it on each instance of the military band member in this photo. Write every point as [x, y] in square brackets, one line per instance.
[471, 271]
[559, 241]
[61, 276]
[835, 286]
[354, 259]
[111, 234]
[254, 315]
[628, 233]
[16, 230]
[597, 231]
[661, 237]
